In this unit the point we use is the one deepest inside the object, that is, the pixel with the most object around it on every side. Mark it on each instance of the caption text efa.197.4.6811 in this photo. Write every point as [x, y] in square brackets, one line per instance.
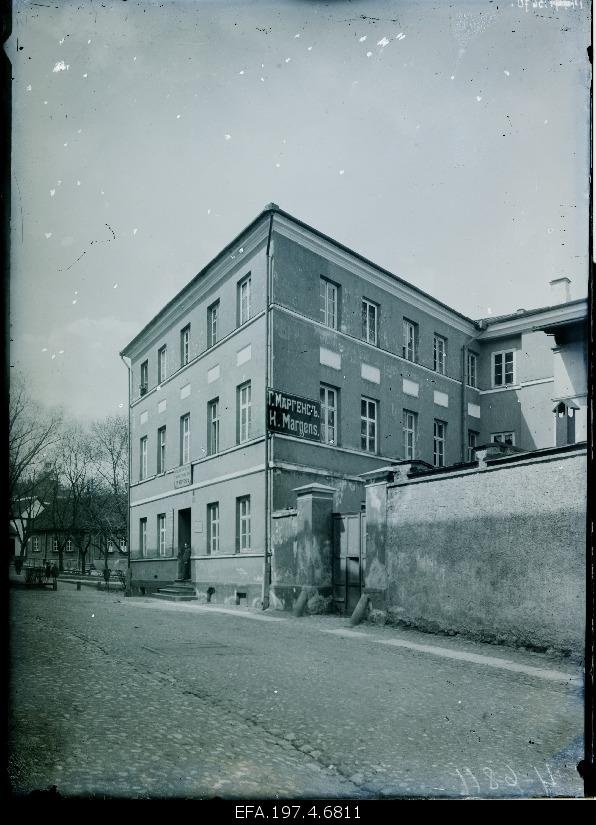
[308, 812]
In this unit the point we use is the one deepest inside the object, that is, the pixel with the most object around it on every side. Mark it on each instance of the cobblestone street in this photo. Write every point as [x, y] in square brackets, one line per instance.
[141, 698]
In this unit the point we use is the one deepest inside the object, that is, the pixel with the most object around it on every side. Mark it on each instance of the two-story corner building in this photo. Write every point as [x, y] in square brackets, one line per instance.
[393, 373]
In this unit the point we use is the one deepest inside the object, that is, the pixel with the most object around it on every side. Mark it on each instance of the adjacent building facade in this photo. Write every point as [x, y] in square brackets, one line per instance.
[385, 372]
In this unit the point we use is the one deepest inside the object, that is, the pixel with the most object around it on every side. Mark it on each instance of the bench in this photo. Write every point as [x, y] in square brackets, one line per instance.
[41, 576]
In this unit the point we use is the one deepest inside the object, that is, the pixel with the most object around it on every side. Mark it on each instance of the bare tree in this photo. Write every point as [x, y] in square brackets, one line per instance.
[72, 470]
[32, 432]
[109, 444]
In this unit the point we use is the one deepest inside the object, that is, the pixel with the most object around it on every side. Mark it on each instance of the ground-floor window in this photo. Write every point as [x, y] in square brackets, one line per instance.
[503, 438]
[161, 533]
[472, 444]
[213, 527]
[35, 544]
[243, 523]
[143, 536]
[439, 432]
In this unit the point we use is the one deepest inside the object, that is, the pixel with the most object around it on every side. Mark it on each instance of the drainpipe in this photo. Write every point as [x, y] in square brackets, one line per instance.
[267, 554]
[128, 537]
[464, 395]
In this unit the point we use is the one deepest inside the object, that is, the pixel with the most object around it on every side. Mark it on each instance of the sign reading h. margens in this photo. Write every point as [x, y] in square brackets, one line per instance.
[293, 415]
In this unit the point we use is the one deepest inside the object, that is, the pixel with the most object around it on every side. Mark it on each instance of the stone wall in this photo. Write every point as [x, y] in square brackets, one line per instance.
[497, 551]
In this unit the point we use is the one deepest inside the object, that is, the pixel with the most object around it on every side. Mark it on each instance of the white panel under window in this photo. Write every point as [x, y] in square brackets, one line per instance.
[161, 407]
[144, 417]
[243, 355]
[185, 391]
[213, 374]
[441, 398]
[330, 358]
[474, 410]
[370, 373]
[411, 388]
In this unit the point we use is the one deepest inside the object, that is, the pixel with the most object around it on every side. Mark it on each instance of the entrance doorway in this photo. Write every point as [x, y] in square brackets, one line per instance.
[349, 558]
[184, 533]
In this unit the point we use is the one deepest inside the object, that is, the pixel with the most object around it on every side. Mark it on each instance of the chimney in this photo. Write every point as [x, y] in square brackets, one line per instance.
[560, 292]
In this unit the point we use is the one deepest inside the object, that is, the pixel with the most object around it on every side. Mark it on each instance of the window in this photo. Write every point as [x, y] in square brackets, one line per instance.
[503, 438]
[410, 430]
[185, 345]
[368, 425]
[329, 302]
[472, 369]
[503, 368]
[439, 431]
[213, 528]
[123, 547]
[410, 348]
[369, 321]
[110, 546]
[185, 439]
[244, 412]
[440, 354]
[55, 544]
[329, 423]
[143, 459]
[212, 321]
[68, 546]
[161, 364]
[243, 523]
[213, 427]
[161, 533]
[36, 547]
[161, 450]
[472, 444]
[244, 300]
[143, 536]
[144, 377]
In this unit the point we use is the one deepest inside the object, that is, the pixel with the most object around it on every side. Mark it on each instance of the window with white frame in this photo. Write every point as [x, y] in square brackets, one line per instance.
[244, 412]
[143, 536]
[143, 458]
[144, 377]
[110, 546]
[161, 450]
[503, 438]
[162, 364]
[329, 414]
[369, 321]
[440, 354]
[329, 303]
[244, 300]
[368, 425]
[185, 439]
[185, 345]
[410, 433]
[503, 368]
[35, 543]
[472, 369]
[68, 547]
[161, 533]
[212, 324]
[439, 433]
[472, 444]
[123, 547]
[410, 346]
[242, 523]
[213, 426]
[55, 544]
[213, 528]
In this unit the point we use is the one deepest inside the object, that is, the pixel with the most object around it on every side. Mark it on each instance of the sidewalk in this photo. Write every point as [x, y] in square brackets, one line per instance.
[553, 667]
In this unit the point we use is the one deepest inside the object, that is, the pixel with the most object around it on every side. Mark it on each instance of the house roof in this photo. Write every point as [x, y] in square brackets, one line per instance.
[272, 209]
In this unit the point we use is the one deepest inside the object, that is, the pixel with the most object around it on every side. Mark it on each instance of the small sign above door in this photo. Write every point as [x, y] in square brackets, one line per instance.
[183, 476]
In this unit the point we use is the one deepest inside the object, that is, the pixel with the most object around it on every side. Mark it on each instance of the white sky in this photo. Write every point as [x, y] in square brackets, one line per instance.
[446, 142]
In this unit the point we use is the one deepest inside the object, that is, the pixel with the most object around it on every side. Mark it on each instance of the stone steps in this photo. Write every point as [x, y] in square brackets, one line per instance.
[176, 592]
